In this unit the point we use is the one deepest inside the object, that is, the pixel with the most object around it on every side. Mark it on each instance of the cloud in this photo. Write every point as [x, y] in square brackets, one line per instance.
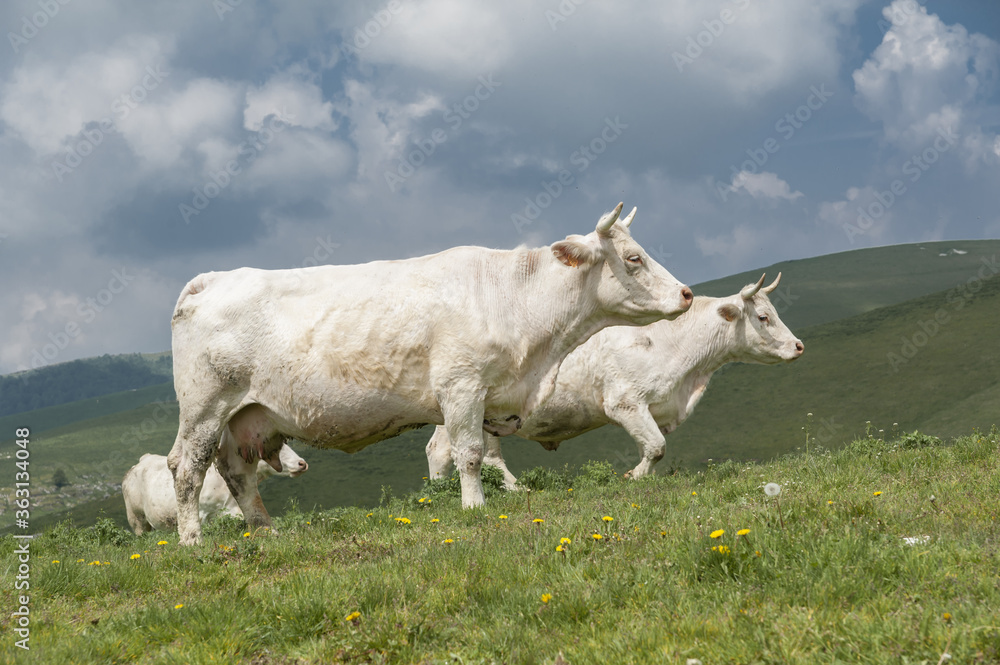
[299, 102]
[764, 185]
[925, 76]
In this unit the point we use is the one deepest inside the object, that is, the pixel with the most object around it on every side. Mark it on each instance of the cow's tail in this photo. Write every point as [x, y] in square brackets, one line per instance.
[196, 285]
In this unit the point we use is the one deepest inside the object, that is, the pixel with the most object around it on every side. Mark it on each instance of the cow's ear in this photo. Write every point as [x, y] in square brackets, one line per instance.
[573, 252]
[729, 312]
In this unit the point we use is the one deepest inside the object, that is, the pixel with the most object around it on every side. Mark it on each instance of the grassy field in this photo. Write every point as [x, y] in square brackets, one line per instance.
[824, 573]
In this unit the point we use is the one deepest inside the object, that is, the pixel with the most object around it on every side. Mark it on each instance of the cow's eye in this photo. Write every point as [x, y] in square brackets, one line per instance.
[635, 259]
[762, 318]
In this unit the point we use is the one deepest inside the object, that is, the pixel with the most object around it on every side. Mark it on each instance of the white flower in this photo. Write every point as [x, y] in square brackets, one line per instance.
[772, 489]
[916, 540]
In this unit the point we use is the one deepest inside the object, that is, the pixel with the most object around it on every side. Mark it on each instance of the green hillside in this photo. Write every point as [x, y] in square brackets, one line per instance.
[81, 379]
[835, 286]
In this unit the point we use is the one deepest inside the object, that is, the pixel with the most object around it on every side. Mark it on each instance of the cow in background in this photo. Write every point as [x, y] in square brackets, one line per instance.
[646, 380]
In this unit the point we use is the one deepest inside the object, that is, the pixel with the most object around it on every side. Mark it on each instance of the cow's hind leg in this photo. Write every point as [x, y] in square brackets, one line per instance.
[494, 457]
[438, 453]
[239, 469]
[194, 449]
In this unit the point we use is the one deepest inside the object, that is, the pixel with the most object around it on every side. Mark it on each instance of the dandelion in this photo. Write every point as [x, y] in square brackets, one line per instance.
[94, 563]
[597, 536]
[772, 489]
[663, 533]
[829, 503]
[877, 493]
[435, 520]
[246, 535]
[309, 523]
[162, 542]
[946, 616]
[353, 616]
[717, 533]
[421, 499]
[757, 552]
[538, 520]
[694, 494]
[742, 532]
[565, 541]
[559, 548]
[55, 560]
[402, 520]
[503, 517]
[135, 556]
[608, 518]
[723, 549]
[570, 489]
[79, 560]
[546, 597]
[448, 541]
[178, 606]
[635, 505]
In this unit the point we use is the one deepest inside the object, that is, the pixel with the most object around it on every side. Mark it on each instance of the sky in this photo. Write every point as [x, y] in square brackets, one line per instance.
[142, 143]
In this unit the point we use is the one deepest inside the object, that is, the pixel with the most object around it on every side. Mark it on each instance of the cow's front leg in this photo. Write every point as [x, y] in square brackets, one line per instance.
[194, 448]
[241, 478]
[639, 423]
[463, 420]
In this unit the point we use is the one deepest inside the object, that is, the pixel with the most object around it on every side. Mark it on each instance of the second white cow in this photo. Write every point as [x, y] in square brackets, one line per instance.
[647, 380]
[150, 501]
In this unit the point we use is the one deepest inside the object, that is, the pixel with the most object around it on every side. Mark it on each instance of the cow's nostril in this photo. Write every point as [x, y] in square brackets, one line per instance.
[687, 295]
[799, 347]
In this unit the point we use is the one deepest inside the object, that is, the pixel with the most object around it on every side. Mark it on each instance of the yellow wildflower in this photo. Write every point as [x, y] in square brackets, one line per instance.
[742, 532]
[135, 556]
[402, 520]
[435, 520]
[538, 520]
[597, 536]
[55, 560]
[246, 535]
[565, 541]
[503, 517]
[877, 493]
[178, 606]
[608, 518]
[559, 548]
[162, 542]
[635, 505]
[694, 494]
[717, 534]
[353, 616]
[448, 541]
[546, 597]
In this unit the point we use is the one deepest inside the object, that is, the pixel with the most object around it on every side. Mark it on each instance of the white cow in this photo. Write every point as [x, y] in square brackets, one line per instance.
[345, 356]
[646, 380]
[150, 501]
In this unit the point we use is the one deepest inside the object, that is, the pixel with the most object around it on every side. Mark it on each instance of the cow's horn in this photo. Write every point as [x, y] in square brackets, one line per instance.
[609, 219]
[628, 220]
[750, 290]
[773, 286]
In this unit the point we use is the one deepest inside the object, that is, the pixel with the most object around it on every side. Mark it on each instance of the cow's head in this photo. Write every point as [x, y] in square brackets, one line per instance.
[631, 285]
[760, 335]
[285, 463]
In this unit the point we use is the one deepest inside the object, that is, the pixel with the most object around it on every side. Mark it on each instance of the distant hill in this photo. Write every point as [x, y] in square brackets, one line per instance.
[80, 379]
[835, 286]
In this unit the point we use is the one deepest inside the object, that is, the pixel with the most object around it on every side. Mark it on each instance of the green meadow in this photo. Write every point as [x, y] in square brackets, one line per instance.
[881, 552]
